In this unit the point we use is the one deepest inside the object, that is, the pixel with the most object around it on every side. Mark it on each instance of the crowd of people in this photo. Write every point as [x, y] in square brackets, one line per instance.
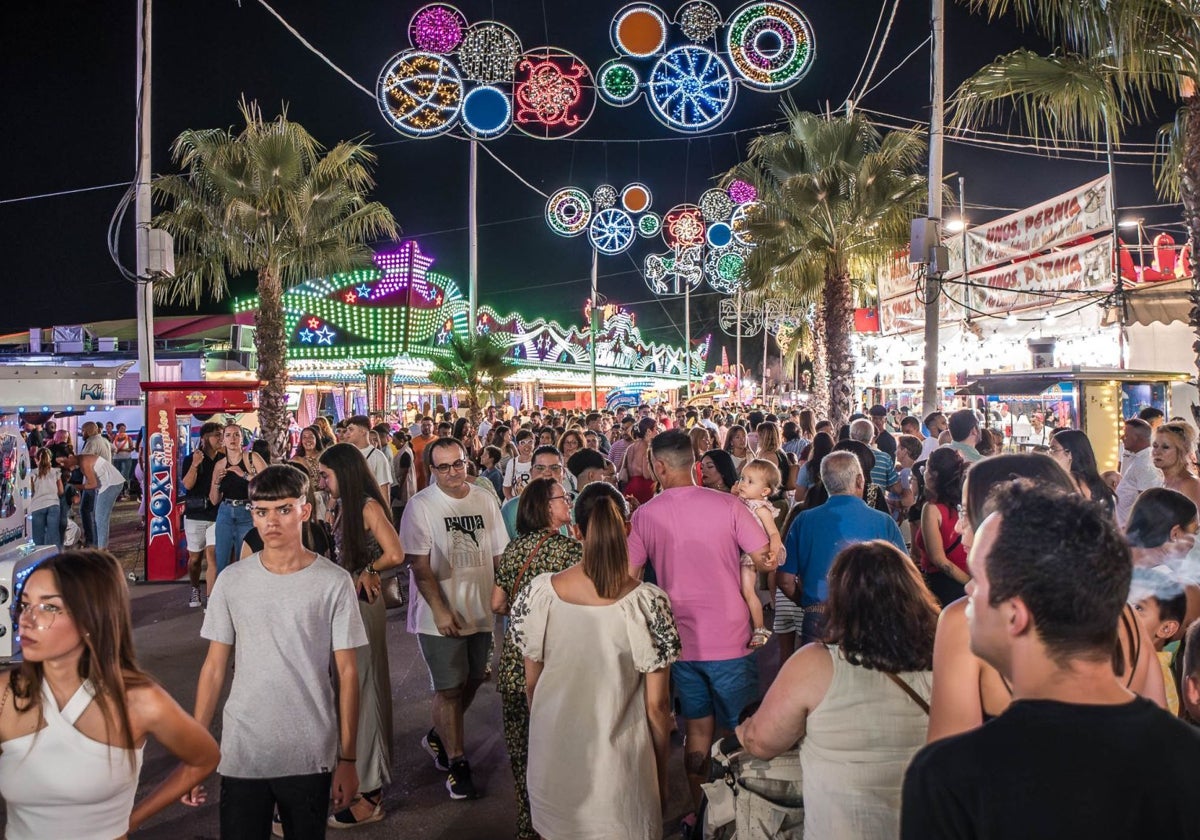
[969, 642]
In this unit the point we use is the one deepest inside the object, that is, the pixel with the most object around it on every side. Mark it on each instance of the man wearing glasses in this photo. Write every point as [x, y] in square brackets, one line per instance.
[547, 463]
[454, 536]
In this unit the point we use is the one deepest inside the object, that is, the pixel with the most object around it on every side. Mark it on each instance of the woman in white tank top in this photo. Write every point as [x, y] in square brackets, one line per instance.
[859, 704]
[75, 716]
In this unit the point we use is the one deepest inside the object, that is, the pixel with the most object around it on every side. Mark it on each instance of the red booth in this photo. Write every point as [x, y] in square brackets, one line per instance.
[171, 410]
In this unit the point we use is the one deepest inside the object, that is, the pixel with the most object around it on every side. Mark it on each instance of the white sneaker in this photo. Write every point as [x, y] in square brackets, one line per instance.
[194, 601]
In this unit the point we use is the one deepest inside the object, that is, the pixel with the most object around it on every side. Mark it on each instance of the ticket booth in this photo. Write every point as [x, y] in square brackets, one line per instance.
[174, 413]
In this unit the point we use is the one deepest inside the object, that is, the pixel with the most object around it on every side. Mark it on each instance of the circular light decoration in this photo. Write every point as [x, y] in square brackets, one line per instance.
[568, 211]
[437, 28]
[636, 198]
[719, 234]
[420, 94]
[724, 269]
[604, 196]
[618, 83]
[698, 19]
[683, 226]
[716, 205]
[554, 92]
[690, 89]
[639, 30]
[737, 224]
[611, 231]
[649, 224]
[486, 112]
[742, 192]
[489, 52]
[770, 44]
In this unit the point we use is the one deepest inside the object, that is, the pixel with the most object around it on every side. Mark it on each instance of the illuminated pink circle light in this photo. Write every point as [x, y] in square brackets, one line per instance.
[742, 192]
[437, 29]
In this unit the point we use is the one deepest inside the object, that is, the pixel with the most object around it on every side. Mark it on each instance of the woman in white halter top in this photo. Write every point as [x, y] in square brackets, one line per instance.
[75, 716]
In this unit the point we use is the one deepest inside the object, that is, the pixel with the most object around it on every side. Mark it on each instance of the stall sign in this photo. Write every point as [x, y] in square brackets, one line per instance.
[1039, 281]
[162, 447]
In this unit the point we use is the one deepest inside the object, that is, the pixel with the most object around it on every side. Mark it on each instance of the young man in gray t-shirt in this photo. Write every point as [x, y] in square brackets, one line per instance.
[285, 740]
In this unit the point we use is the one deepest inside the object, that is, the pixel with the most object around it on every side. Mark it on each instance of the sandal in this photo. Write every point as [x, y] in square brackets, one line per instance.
[345, 818]
[760, 637]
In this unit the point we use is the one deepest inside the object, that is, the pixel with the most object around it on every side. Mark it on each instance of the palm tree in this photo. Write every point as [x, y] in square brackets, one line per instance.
[269, 199]
[1113, 63]
[476, 366]
[835, 199]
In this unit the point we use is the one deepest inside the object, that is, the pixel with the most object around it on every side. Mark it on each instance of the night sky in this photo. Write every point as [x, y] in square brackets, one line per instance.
[69, 98]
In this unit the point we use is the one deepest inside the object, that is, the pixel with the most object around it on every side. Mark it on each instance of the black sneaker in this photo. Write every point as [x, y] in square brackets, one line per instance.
[432, 744]
[459, 781]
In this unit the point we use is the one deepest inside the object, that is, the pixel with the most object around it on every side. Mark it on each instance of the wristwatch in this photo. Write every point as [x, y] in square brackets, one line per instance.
[370, 569]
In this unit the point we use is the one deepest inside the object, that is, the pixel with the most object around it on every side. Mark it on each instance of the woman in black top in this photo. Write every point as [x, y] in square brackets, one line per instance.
[234, 468]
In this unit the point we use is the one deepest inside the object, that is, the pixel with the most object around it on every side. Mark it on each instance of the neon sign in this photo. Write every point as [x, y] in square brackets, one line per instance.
[162, 449]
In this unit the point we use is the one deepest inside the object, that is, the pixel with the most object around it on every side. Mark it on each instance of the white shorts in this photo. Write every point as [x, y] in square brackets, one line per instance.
[200, 534]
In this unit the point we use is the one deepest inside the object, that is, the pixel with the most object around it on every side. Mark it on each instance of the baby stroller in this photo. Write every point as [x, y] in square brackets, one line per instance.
[752, 799]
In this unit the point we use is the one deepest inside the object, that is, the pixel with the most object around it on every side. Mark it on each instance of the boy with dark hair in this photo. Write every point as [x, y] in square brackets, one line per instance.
[1161, 612]
[282, 613]
[1190, 674]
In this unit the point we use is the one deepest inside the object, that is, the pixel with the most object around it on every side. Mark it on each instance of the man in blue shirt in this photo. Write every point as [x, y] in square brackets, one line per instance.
[817, 535]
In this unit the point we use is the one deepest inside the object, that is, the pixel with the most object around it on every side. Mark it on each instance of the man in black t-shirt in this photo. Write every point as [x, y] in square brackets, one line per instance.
[1076, 754]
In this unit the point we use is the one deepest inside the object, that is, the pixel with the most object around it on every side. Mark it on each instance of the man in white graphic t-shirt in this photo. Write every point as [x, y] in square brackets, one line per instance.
[453, 538]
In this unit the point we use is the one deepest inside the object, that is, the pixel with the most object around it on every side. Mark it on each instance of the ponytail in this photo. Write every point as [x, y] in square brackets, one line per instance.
[605, 552]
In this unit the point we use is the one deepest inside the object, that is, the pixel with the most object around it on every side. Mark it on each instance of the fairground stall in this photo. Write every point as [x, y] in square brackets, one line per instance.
[1095, 401]
[175, 412]
[366, 341]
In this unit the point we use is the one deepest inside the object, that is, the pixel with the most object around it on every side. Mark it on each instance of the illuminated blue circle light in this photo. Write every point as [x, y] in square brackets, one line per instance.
[611, 231]
[690, 89]
[486, 112]
[719, 235]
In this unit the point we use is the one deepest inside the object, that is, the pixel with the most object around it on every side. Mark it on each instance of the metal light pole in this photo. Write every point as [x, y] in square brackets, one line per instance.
[142, 214]
[473, 246]
[738, 375]
[930, 397]
[592, 328]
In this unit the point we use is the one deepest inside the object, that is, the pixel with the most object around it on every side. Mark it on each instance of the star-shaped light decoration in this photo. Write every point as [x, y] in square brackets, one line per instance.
[314, 323]
[364, 291]
[350, 296]
[306, 336]
[325, 336]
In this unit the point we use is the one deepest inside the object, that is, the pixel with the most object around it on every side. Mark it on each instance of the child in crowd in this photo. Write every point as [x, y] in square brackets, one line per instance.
[1189, 682]
[760, 479]
[1162, 615]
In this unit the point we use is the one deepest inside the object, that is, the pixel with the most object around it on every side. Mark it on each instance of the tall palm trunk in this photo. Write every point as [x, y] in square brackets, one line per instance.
[839, 320]
[1189, 191]
[271, 343]
[820, 364]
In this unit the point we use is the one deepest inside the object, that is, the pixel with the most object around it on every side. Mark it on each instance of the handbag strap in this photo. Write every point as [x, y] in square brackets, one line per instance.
[908, 689]
[517, 583]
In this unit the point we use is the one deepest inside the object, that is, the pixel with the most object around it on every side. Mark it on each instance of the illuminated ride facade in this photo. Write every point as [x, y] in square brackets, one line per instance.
[367, 340]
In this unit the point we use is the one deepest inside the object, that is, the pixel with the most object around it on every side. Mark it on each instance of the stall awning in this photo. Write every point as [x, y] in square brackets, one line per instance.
[1155, 303]
[1040, 381]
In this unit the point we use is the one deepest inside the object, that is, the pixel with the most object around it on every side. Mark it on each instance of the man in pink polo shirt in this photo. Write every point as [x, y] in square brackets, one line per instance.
[694, 538]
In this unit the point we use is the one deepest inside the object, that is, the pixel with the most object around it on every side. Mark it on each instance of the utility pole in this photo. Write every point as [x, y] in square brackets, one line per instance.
[473, 246]
[930, 396]
[142, 217]
[592, 326]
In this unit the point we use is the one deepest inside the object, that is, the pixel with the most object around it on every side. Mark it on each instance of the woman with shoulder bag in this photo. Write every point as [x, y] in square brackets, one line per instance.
[367, 544]
[539, 548]
[230, 491]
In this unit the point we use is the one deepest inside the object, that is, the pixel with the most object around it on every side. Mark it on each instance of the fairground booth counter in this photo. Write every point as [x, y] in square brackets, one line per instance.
[366, 341]
[1094, 400]
[175, 411]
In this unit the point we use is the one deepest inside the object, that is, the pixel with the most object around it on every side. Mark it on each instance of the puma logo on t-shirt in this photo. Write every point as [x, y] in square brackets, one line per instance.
[467, 525]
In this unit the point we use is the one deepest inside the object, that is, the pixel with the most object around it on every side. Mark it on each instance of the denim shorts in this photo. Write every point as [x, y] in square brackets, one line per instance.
[721, 688]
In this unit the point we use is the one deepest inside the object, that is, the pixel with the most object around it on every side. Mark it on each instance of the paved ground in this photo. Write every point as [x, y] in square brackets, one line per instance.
[169, 647]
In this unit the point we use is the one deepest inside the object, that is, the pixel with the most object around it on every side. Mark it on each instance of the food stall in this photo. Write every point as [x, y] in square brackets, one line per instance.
[1095, 400]
[174, 413]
